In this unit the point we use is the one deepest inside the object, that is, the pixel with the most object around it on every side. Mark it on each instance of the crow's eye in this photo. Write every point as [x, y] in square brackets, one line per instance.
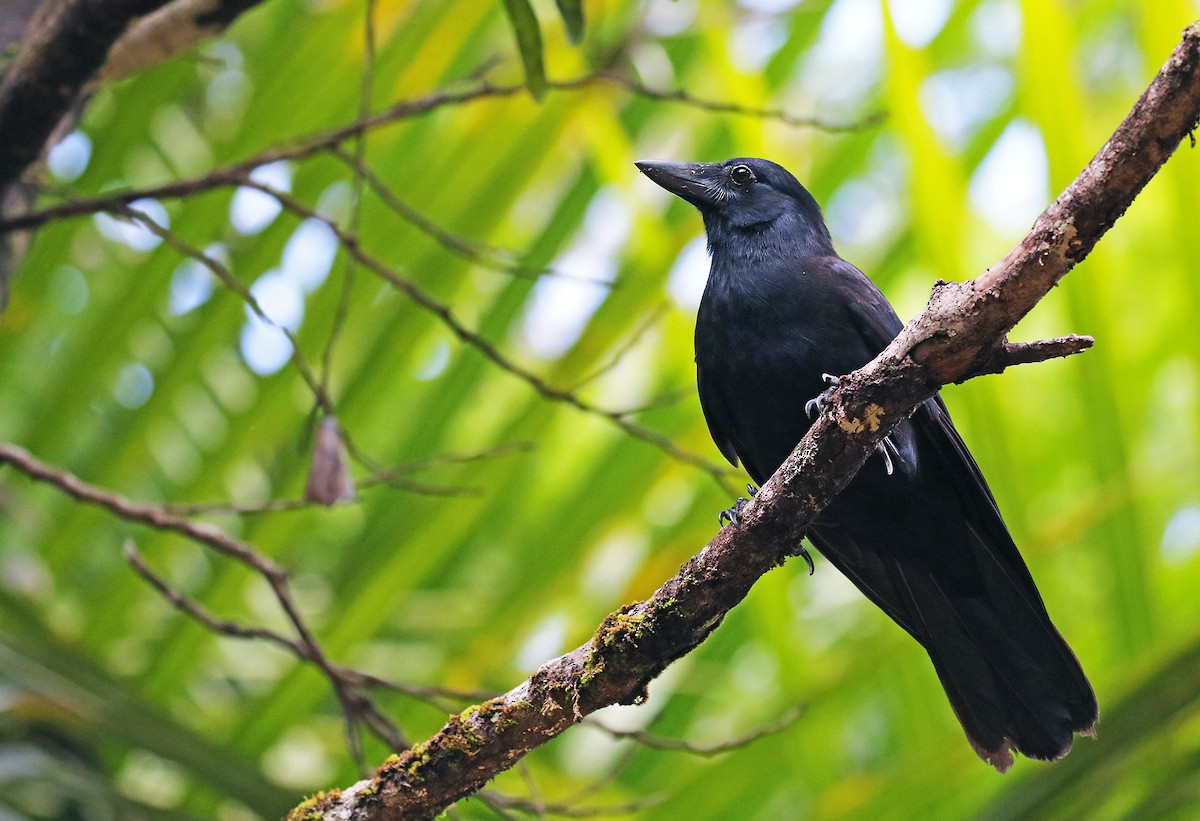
[741, 174]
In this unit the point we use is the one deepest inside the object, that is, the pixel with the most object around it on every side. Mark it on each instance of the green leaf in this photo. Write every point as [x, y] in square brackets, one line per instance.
[529, 41]
[572, 15]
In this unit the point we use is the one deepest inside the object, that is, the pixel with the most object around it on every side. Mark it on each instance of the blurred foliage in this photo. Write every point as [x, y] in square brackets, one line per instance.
[127, 364]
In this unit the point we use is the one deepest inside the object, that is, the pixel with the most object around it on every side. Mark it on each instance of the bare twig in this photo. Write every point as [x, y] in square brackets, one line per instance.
[154, 516]
[1007, 354]
[661, 401]
[482, 254]
[571, 810]
[649, 321]
[377, 475]
[383, 474]
[647, 739]
[350, 270]
[197, 611]
[231, 282]
[537, 805]
[269, 506]
[721, 106]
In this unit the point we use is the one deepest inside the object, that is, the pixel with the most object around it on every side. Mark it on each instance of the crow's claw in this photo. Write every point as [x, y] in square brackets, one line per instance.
[817, 404]
[752, 490]
[731, 514]
[812, 568]
[887, 449]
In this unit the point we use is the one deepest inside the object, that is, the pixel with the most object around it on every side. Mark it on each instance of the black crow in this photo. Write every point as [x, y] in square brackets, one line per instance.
[917, 530]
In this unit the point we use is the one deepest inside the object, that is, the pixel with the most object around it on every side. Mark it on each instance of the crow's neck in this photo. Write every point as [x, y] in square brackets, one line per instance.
[789, 236]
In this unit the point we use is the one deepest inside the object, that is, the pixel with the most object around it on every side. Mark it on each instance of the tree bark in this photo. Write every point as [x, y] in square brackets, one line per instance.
[68, 42]
[63, 46]
[961, 333]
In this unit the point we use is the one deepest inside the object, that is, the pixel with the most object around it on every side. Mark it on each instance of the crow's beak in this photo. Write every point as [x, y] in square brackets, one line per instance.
[689, 180]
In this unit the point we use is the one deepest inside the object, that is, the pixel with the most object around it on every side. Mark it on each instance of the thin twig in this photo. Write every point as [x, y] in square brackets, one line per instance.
[391, 476]
[570, 810]
[615, 770]
[482, 254]
[350, 269]
[720, 106]
[197, 611]
[502, 449]
[154, 516]
[231, 282]
[270, 506]
[649, 321]
[489, 800]
[537, 805]
[1007, 354]
[657, 742]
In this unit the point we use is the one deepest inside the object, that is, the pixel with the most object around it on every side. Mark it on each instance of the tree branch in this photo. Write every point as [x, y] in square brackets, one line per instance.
[960, 325]
[63, 46]
[175, 28]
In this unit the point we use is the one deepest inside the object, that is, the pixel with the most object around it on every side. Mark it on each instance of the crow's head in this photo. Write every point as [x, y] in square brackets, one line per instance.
[741, 193]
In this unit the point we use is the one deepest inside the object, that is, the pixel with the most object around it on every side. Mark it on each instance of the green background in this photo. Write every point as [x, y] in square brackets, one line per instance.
[113, 705]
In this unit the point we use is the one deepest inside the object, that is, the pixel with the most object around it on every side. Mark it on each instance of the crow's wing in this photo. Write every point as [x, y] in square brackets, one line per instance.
[717, 414]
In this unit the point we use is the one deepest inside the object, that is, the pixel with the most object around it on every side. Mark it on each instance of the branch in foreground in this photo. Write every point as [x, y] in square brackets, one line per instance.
[962, 324]
[63, 46]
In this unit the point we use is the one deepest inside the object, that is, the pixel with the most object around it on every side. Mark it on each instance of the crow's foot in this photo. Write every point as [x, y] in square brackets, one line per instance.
[731, 514]
[817, 404]
[887, 449]
[812, 568]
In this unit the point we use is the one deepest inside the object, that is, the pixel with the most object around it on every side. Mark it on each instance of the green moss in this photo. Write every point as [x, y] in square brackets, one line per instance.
[314, 808]
[405, 767]
[592, 667]
[621, 628]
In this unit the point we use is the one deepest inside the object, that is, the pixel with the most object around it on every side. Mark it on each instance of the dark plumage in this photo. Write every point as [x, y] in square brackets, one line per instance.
[927, 543]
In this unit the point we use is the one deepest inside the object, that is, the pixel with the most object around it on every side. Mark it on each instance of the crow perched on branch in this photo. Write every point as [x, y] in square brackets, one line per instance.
[917, 530]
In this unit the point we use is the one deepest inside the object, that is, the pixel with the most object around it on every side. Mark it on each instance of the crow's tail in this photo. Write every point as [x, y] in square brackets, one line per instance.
[1011, 678]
